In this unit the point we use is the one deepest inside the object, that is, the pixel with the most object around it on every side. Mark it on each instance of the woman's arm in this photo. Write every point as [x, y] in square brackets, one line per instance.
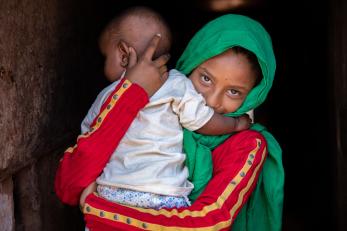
[84, 162]
[237, 164]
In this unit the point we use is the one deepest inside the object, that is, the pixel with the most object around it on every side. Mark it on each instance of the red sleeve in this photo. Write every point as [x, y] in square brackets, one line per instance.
[84, 162]
[237, 164]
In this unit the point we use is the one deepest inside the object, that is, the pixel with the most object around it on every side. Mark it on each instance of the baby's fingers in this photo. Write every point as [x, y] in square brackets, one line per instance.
[161, 61]
[152, 47]
[243, 122]
[164, 76]
[162, 70]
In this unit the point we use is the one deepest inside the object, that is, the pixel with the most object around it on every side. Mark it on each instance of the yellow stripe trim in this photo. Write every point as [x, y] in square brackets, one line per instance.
[126, 84]
[249, 184]
[70, 149]
[88, 209]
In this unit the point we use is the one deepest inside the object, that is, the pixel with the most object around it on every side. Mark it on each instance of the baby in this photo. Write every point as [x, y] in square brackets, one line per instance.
[147, 168]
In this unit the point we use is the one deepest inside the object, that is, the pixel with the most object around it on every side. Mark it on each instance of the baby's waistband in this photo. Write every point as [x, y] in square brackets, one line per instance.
[141, 199]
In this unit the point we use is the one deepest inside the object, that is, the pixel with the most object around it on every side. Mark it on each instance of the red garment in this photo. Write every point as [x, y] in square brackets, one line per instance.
[237, 163]
[232, 161]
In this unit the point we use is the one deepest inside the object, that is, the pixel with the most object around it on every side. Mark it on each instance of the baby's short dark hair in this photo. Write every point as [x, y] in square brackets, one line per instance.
[117, 29]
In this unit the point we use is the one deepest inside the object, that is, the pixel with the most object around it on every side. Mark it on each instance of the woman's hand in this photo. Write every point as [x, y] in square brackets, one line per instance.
[148, 73]
[90, 189]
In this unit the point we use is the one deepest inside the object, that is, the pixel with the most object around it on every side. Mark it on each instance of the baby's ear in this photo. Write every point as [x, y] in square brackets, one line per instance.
[124, 53]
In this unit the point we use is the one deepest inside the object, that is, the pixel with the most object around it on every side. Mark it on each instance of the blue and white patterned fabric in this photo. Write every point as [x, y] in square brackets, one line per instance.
[141, 199]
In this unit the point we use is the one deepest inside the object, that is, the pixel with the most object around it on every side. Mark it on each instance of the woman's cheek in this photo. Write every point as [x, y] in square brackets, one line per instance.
[199, 87]
[230, 105]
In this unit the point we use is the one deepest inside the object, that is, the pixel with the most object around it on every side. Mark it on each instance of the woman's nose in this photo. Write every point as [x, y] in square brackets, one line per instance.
[213, 100]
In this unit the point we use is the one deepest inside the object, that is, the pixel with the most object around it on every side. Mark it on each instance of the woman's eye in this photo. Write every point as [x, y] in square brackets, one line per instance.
[205, 79]
[233, 92]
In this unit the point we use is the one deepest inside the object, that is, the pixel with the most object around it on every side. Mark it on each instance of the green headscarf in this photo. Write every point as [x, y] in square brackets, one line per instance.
[263, 210]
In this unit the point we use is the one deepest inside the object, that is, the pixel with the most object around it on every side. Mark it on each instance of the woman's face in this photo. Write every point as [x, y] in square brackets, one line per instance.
[224, 81]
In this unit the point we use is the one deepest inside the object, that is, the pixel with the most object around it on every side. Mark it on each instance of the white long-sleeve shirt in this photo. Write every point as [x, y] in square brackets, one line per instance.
[150, 156]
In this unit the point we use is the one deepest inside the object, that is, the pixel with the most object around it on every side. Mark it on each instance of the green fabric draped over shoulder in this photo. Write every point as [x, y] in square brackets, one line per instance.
[263, 210]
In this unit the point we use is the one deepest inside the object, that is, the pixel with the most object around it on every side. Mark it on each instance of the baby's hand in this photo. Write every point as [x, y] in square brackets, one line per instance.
[148, 73]
[90, 189]
[243, 122]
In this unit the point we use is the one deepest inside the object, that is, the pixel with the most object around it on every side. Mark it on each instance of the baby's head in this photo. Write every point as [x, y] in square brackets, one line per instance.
[226, 79]
[134, 28]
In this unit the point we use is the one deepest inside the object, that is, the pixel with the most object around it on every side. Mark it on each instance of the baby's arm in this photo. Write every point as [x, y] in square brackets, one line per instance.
[220, 125]
[195, 115]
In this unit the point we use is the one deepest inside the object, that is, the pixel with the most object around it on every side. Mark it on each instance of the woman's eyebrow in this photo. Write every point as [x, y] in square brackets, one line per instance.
[238, 87]
[207, 72]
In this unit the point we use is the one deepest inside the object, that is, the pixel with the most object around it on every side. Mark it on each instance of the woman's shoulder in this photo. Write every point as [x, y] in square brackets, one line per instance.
[247, 138]
[244, 149]
[250, 134]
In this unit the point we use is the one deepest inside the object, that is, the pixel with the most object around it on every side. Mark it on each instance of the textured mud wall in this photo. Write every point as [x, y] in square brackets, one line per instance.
[42, 86]
[36, 55]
